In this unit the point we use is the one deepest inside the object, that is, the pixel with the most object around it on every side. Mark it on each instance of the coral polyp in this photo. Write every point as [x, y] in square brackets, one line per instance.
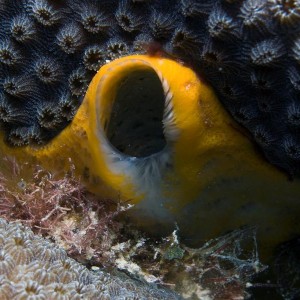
[48, 116]
[263, 80]
[7, 263]
[221, 26]
[66, 107]
[286, 11]
[253, 15]
[19, 87]
[9, 113]
[22, 28]
[94, 57]
[93, 19]
[266, 53]
[70, 38]
[127, 18]
[78, 81]
[43, 12]
[264, 137]
[9, 55]
[29, 289]
[115, 49]
[162, 25]
[18, 136]
[184, 40]
[47, 70]
[291, 147]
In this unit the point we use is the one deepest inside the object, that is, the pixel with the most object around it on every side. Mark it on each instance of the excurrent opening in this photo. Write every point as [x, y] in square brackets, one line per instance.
[136, 122]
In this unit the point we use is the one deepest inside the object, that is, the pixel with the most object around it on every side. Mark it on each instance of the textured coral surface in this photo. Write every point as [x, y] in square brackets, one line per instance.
[34, 268]
[248, 50]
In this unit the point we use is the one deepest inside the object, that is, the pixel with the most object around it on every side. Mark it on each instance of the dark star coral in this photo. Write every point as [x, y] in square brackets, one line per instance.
[247, 50]
[70, 38]
[22, 28]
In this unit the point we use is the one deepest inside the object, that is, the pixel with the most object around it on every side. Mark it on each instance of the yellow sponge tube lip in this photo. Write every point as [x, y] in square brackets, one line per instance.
[102, 92]
[215, 175]
[206, 131]
[80, 140]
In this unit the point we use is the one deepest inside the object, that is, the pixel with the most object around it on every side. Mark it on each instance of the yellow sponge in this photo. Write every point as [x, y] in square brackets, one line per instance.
[150, 132]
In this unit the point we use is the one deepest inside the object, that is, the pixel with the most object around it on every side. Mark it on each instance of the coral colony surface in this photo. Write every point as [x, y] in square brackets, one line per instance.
[34, 268]
[248, 50]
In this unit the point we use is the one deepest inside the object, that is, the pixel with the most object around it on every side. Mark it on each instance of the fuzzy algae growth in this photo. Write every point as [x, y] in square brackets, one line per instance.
[150, 132]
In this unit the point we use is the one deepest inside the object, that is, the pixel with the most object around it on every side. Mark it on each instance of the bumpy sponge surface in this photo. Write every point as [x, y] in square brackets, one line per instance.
[249, 51]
